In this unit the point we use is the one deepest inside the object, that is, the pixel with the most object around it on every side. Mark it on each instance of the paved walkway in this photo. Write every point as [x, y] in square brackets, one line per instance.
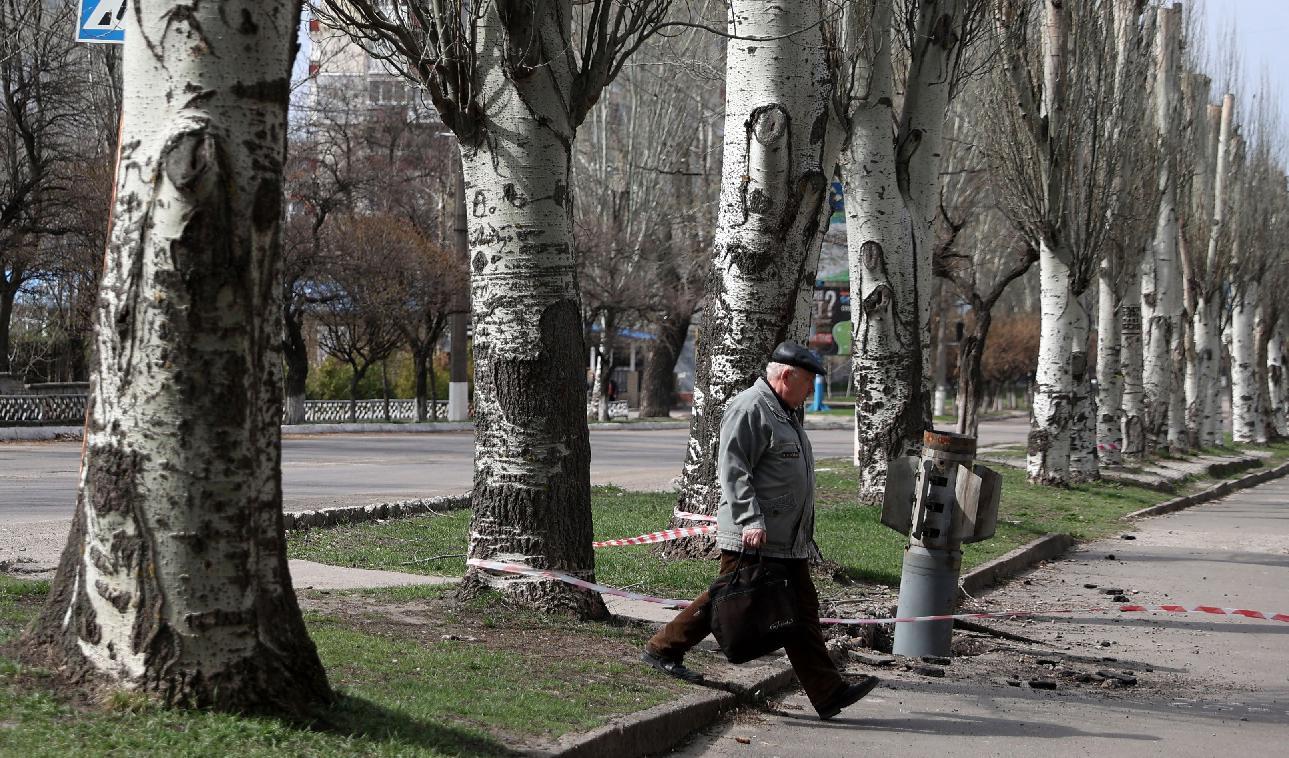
[1210, 686]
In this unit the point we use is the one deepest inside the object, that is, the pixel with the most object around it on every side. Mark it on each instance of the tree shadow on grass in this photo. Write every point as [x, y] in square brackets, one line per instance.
[360, 718]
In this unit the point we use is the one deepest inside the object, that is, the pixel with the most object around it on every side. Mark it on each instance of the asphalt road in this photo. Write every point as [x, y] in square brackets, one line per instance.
[38, 479]
[1209, 686]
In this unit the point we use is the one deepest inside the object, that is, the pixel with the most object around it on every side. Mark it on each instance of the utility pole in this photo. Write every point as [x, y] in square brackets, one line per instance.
[459, 381]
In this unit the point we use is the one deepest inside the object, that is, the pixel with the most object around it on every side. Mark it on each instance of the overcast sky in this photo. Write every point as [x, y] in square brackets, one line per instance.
[1262, 28]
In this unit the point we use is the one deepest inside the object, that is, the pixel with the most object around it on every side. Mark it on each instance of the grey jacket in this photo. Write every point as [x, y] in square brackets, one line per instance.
[767, 474]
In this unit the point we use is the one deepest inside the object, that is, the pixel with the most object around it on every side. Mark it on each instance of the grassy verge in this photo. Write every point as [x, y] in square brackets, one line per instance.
[411, 678]
[851, 537]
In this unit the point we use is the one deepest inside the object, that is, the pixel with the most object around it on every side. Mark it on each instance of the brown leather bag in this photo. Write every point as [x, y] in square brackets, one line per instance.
[754, 610]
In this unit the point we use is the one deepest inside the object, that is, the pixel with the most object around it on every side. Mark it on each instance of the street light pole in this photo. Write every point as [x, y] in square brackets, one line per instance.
[459, 381]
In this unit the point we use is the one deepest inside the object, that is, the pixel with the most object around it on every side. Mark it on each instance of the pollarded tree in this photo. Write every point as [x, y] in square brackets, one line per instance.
[174, 581]
[1258, 223]
[1204, 251]
[1161, 276]
[1058, 151]
[514, 79]
[1118, 414]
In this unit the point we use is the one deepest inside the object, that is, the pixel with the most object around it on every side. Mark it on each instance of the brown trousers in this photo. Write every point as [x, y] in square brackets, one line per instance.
[815, 669]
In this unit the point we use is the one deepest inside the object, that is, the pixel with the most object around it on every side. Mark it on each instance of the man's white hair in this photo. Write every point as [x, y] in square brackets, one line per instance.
[774, 370]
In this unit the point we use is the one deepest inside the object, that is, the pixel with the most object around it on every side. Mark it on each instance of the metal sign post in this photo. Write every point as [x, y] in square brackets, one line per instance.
[102, 21]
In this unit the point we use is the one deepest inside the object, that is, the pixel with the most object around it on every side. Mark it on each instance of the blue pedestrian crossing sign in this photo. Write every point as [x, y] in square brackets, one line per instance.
[102, 21]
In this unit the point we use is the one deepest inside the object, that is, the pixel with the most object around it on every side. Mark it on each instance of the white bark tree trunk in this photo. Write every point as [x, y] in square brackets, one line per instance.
[1048, 459]
[174, 580]
[882, 249]
[531, 496]
[1261, 338]
[1161, 275]
[776, 167]
[937, 46]
[1208, 355]
[1276, 384]
[1048, 453]
[1176, 432]
[1110, 373]
[940, 375]
[1202, 408]
[599, 400]
[1083, 409]
[1134, 441]
[1245, 419]
[892, 193]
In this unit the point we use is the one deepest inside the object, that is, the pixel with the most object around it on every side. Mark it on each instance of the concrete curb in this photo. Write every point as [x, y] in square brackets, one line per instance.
[818, 424]
[1011, 564]
[426, 427]
[42, 433]
[639, 426]
[1221, 468]
[303, 520]
[1221, 489]
[664, 726]
[650, 731]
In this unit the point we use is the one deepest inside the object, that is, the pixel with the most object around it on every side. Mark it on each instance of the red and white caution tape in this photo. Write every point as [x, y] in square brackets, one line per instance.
[1257, 615]
[693, 516]
[665, 535]
[511, 568]
[559, 576]
[1209, 609]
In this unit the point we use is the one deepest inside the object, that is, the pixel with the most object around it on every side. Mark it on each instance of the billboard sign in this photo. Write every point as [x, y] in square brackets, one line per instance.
[831, 308]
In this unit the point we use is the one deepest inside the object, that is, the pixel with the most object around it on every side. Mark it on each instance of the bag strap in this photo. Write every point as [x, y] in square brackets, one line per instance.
[742, 554]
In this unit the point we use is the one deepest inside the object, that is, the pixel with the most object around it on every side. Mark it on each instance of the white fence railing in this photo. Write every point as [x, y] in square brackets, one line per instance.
[337, 411]
[617, 409]
[42, 409]
[18, 410]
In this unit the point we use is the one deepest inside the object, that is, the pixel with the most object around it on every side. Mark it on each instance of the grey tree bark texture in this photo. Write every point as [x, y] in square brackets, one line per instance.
[531, 496]
[174, 581]
[892, 181]
[776, 164]
[514, 82]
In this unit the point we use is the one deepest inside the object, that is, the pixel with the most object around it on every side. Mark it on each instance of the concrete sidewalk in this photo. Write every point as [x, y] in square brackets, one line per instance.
[1203, 685]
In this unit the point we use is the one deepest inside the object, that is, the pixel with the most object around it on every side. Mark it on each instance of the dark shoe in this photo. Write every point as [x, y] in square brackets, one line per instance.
[850, 695]
[674, 668]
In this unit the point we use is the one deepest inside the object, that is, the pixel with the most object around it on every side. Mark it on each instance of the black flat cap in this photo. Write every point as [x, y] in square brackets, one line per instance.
[792, 354]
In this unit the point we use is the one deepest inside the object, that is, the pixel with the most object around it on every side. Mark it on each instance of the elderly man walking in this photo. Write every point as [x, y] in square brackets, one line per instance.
[767, 476]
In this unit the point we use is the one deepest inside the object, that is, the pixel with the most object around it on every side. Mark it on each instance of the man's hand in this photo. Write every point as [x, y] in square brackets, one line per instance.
[753, 538]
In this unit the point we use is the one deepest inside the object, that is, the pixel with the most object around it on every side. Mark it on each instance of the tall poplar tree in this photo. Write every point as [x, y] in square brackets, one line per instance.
[513, 79]
[174, 580]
